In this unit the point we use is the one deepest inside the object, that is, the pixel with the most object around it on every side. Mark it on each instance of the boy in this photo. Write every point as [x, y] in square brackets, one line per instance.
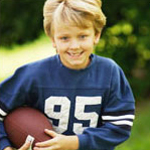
[86, 97]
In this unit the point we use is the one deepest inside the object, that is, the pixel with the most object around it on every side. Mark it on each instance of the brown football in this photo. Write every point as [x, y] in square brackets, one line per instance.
[25, 121]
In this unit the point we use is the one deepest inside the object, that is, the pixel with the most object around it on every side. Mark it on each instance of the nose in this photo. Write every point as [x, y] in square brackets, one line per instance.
[74, 44]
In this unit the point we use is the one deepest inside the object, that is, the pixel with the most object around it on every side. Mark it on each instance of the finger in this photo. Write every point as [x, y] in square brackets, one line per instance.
[46, 143]
[25, 146]
[41, 148]
[51, 133]
[43, 144]
[46, 148]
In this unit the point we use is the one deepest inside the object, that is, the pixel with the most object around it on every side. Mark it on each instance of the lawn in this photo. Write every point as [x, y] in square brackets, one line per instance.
[140, 137]
[12, 58]
[16, 56]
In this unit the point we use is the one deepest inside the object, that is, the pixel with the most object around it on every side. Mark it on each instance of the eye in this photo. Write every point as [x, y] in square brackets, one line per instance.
[64, 38]
[82, 36]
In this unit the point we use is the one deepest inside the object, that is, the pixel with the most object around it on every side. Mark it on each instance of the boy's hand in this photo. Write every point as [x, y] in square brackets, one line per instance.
[59, 142]
[8, 148]
[25, 146]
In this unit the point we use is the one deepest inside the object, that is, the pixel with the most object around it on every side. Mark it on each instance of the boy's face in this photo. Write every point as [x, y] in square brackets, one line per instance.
[74, 45]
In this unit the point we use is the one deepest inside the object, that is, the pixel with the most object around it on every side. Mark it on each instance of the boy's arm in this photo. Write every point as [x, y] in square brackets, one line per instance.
[11, 96]
[3, 140]
[116, 118]
[107, 137]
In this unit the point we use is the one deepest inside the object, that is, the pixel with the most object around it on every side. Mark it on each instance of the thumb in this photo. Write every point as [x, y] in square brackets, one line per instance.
[51, 133]
[25, 146]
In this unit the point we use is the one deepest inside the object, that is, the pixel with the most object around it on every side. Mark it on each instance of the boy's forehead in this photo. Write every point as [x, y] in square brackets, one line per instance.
[69, 25]
[63, 28]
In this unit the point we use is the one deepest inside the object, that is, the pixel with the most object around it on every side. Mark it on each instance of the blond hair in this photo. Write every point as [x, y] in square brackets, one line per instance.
[80, 13]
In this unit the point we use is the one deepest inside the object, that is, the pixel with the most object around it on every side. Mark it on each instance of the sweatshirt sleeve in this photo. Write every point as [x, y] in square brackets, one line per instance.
[12, 95]
[116, 118]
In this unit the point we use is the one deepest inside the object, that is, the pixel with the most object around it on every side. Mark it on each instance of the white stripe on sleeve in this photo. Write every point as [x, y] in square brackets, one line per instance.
[118, 117]
[2, 113]
[122, 122]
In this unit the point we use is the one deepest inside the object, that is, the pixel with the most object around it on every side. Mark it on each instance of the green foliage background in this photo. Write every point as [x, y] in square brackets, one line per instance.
[20, 21]
[126, 37]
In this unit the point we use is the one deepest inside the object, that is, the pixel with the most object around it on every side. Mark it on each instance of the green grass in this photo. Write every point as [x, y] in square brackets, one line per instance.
[11, 59]
[140, 137]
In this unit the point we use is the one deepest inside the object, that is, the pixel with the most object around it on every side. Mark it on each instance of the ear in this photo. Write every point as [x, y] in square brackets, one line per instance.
[53, 43]
[97, 37]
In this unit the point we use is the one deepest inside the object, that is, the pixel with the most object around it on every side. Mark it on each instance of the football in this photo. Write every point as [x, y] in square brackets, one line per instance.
[26, 122]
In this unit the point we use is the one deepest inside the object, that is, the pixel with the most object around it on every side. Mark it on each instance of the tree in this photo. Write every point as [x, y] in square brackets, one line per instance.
[20, 21]
[126, 40]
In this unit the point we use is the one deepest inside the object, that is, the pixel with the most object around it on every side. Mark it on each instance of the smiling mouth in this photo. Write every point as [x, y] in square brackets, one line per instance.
[74, 55]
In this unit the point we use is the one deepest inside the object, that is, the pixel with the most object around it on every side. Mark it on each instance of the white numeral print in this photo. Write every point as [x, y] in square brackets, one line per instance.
[64, 113]
[81, 102]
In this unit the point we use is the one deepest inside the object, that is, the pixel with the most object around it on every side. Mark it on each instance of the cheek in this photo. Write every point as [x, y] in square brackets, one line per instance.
[61, 47]
[89, 44]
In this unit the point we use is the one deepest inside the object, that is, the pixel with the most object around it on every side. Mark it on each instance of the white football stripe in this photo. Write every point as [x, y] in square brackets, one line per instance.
[2, 112]
[118, 117]
[123, 122]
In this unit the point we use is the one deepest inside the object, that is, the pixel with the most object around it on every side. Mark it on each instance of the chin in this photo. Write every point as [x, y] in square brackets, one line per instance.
[77, 66]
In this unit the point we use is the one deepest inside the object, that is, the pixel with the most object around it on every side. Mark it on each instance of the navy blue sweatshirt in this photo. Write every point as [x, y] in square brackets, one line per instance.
[95, 103]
